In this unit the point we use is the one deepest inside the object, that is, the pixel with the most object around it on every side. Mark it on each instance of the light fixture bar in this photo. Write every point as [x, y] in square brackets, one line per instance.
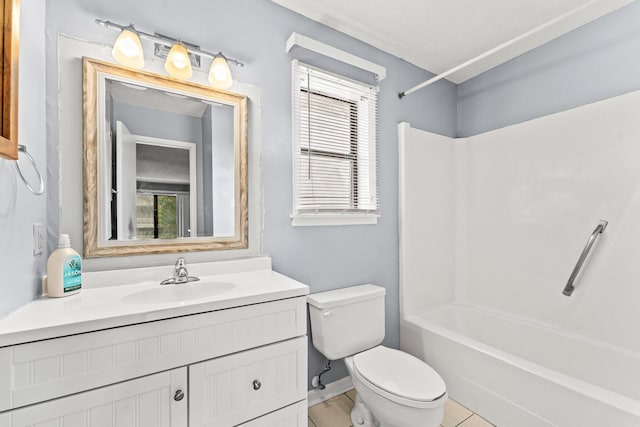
[161, 50]
[167, 41]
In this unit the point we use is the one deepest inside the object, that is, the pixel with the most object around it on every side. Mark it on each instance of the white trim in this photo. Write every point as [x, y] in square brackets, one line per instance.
[308, 43]
[306, 220]
[333, 389]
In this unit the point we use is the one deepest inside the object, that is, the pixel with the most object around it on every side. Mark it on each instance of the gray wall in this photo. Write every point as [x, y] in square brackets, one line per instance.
[591, 63]
[255, 31]
[19, 209]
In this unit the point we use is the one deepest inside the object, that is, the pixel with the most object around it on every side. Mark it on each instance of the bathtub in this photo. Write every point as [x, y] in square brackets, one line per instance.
[519, 373]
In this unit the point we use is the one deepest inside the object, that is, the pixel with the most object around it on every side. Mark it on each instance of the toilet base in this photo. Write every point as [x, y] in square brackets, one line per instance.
[361, 415]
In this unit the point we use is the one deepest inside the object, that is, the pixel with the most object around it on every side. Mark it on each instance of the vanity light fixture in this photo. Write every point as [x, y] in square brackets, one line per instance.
[127, 50]
[219, 73]
[178, 63]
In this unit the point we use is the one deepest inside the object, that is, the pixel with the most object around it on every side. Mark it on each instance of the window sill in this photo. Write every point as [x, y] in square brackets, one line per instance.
[310, 220]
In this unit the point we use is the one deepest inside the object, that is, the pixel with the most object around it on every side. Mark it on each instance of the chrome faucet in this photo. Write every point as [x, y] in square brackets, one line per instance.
[180, 275]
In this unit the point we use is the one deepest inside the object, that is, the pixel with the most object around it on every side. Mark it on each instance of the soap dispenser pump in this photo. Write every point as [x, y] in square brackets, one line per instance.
[64, 270]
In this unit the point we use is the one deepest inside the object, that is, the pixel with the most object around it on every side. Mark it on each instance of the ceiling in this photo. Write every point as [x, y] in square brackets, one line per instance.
[437, 35]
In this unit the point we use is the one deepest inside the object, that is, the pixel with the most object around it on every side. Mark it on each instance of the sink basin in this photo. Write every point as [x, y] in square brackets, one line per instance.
[177, 293]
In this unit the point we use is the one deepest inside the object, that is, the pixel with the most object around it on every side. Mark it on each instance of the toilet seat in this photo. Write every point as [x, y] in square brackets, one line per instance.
[400, 377]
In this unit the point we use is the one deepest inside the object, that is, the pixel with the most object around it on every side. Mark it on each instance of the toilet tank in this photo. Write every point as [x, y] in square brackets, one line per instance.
[347, 321]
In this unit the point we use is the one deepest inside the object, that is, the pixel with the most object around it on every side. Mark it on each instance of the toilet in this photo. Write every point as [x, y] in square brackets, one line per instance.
[394, 389]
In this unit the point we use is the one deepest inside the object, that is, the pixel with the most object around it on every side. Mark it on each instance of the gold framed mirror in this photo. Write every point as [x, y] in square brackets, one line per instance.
[10, 41]
[165, 164]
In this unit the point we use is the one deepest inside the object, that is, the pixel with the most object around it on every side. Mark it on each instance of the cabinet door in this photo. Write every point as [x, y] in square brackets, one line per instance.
[234, 389]
[144, 402]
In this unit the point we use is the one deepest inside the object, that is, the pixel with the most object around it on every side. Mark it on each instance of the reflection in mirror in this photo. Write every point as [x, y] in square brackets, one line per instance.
[170, 161]
[155, 195]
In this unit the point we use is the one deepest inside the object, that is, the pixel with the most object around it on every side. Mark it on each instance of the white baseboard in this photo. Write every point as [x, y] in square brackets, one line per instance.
[333, 389]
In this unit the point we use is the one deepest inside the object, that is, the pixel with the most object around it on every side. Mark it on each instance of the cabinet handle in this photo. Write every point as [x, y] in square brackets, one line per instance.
[178, 396]
[257, 384]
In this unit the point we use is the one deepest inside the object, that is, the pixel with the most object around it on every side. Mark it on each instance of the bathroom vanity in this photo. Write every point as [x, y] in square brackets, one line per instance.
[230, 349]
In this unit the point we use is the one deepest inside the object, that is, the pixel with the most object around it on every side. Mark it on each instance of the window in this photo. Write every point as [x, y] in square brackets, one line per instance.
[162, 215]
[334, 149]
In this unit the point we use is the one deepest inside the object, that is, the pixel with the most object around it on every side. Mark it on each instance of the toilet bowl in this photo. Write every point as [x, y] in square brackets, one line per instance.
[394, 389]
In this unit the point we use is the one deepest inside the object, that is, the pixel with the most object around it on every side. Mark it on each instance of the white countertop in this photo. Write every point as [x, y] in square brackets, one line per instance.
[104, 307]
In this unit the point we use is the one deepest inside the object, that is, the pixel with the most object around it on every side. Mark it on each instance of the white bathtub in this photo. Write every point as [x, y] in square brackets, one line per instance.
[517, 373]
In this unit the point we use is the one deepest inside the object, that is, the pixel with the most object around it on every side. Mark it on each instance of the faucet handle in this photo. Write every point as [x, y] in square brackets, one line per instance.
[180, 275]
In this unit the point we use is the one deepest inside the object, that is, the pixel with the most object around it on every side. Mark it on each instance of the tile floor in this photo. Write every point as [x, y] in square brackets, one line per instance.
[336, 411]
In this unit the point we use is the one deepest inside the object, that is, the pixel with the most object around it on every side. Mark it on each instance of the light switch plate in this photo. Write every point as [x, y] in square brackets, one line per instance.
[38, 239]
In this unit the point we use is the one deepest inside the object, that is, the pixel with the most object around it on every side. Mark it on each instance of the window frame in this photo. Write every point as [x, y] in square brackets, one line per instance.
[356, 214]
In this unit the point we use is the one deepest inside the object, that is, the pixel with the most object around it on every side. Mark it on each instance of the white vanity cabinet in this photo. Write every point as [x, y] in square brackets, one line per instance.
[220, 368]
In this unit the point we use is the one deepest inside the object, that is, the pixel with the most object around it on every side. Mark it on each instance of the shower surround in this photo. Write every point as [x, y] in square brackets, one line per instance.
[491, 227]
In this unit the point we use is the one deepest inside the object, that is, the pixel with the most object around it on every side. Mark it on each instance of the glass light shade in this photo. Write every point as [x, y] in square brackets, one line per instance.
[220, 74]
[127, 49]
[178, 63]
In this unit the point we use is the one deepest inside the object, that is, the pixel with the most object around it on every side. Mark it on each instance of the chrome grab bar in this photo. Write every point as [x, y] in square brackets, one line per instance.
[568, 290]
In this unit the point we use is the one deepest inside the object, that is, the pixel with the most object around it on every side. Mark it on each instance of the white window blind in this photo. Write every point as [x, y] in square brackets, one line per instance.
[334, 144]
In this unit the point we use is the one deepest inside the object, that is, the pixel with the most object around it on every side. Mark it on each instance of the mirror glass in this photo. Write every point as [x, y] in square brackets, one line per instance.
[170, 164]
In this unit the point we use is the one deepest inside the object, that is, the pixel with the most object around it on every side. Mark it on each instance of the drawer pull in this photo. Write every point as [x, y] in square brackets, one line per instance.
[257, 384]
[178, 396]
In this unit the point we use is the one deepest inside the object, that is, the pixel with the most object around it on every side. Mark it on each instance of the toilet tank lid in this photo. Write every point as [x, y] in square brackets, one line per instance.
[338, 297]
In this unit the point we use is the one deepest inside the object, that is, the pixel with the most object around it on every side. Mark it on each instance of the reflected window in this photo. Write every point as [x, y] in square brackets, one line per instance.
[162, 216]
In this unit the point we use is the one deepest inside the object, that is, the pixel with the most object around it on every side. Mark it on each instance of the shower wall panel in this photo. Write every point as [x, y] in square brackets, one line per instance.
[498, 220]
[426, 219]
[536, 192]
